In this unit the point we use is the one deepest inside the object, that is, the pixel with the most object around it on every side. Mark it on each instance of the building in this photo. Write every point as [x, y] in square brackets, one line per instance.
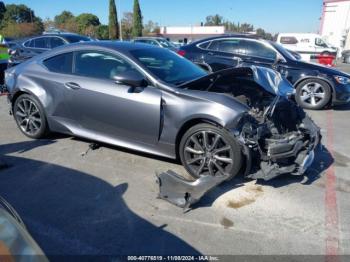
[335, 23]
[190, 33]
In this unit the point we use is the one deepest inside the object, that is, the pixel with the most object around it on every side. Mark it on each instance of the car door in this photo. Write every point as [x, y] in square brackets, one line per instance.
[258, 53]
[223, 53]
[105, 108]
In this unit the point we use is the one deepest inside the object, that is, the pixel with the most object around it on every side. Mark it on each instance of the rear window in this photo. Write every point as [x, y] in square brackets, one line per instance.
[288, 40]
[60, 63]
[41, 42]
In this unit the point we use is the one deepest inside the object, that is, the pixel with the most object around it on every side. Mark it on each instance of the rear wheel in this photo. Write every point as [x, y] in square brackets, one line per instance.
[208, 150]
[313, 94]
[30, 116]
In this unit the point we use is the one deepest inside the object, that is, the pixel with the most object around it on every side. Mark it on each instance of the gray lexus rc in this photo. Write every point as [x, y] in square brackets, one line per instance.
[152, 100]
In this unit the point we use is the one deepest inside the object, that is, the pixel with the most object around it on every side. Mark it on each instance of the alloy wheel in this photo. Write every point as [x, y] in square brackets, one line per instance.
[207, 153]
[312, 93]
[28, 117]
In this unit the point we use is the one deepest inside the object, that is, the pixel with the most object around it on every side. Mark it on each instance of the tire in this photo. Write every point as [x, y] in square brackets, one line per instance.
[30, 117]
[220, 156]
[313, 94]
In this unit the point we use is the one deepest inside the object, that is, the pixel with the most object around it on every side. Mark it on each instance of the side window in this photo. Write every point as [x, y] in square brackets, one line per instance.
[41, 42]
[29, 43]
[153, 42]
[288, 40]
[235, 46]
[60, 63]
[100, 65]
[320, 42]
[56, 42]
[258, 49]
[204, 45]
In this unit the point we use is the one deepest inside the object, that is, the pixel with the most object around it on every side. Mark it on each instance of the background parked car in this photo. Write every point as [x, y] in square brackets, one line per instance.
[346, 56]
[316, 85]
[24, 49]
[157, 41]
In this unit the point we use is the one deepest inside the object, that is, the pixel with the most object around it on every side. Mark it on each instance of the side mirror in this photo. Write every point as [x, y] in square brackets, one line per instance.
[131, 78]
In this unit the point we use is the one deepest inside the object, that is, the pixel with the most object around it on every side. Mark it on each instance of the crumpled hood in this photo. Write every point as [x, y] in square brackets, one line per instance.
[267, 78]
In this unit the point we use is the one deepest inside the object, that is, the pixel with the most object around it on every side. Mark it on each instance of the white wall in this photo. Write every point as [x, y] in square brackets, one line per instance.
[335, 22]
[196, 30]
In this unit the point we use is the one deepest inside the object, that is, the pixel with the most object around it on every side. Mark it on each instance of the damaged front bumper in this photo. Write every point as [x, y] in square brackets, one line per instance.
[291, 154]
[182, 192]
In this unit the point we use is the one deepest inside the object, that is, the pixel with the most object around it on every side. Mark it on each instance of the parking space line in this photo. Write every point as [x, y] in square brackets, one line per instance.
[331, 208]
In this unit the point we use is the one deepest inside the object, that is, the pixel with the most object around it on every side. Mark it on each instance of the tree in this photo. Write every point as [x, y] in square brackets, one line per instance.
[137, 20]
[245, 28]
[102, 32]
[127, 25]
[19, 20]
[63, 18]
[214, 20]
[113, 25]
[85, 21]
[19, 14]
[2, 11]
[151, 28]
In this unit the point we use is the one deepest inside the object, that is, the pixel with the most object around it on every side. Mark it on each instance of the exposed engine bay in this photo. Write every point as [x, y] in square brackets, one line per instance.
[276, 134]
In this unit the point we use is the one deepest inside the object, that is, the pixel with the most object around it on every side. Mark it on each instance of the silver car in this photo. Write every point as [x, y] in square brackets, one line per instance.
[152, 100]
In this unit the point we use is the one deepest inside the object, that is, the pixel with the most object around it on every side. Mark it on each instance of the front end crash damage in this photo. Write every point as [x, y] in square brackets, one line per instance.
[276, 135]
[182, 192]
[278, 142]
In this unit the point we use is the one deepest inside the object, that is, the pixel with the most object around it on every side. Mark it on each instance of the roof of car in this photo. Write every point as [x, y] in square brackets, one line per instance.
[149, 37]
[63, 35]
[123, 46]
[249, 36]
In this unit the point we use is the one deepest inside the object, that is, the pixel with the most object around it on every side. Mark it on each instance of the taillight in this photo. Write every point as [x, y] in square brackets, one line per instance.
[181, 52]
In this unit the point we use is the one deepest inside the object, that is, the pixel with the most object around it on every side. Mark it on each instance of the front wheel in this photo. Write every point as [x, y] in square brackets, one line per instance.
[208, 150]
[313, 94]
[30, 116]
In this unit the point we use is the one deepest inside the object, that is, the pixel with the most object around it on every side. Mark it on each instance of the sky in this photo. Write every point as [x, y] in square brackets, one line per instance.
[272, 15]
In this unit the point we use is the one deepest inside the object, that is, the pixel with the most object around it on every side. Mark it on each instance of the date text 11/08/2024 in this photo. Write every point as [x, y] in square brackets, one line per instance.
[173, 258]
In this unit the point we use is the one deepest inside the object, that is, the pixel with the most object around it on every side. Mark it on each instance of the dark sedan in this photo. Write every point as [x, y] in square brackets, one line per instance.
[22, 50]
[316, 85]
[152, 100]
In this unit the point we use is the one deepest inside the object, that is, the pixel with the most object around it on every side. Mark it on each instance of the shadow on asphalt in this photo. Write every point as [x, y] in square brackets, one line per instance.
[345, 107]
[69, 212]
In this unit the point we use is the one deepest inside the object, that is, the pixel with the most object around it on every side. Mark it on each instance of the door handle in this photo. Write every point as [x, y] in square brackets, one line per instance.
[72, 85]
[210, 53]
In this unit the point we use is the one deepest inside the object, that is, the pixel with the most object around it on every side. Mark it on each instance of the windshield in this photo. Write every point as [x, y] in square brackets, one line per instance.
[168, 66]
[165, 43]
[76, 38]
[284, 52]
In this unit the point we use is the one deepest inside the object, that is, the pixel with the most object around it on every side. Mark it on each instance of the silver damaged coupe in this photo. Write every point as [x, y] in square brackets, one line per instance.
[152, 100]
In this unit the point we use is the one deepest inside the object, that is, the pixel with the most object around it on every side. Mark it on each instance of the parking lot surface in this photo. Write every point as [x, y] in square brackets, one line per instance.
[105, 202]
